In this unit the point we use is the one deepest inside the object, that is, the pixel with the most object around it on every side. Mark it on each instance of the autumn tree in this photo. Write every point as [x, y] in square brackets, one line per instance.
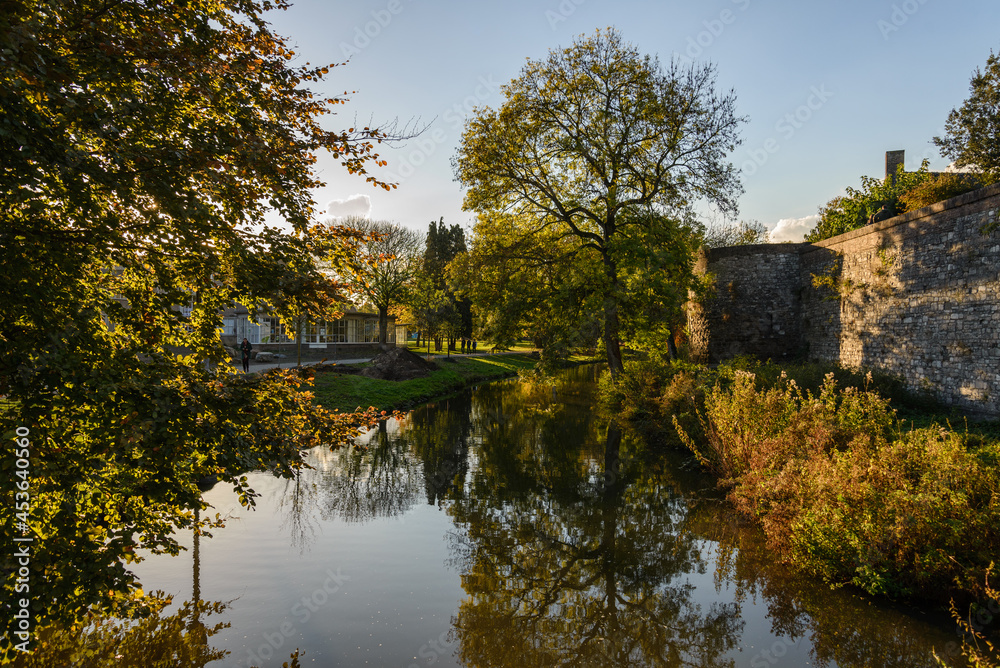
[972, 132]
[386, 260]
[590, 140]
[144, 145]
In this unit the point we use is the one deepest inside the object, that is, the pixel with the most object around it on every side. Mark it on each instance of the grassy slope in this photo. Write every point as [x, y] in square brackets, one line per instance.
[349, 392]
[481, 347]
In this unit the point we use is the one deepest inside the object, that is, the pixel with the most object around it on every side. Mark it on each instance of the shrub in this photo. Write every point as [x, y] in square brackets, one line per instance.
[750, 429]
[913, 515]
[841, 486]
[976, 648]
[652, 392]
[938, 188]
[853, 210]
[843, 492]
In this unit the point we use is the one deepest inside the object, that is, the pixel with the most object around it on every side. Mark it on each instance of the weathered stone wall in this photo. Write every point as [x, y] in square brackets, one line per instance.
[756, 305]
[917, 295]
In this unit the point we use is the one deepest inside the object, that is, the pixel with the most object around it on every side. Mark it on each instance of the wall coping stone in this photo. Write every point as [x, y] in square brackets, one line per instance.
[756, 249]
[804, 247]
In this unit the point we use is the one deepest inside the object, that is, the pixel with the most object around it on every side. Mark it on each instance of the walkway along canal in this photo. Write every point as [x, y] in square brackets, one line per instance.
[513, 526]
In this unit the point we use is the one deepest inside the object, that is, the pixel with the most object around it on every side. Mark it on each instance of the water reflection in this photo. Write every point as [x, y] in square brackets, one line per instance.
[377, 478]
[839, 628]
[159, 638]
[576, 544]
[384, 474]
[439, 436]
[569, 553]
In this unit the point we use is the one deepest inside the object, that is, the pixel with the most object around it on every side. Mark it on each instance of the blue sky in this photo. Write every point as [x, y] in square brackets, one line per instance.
[828, 86]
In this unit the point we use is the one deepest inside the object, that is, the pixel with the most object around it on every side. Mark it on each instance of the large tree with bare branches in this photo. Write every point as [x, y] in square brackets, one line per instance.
[593, 141]
[385, 266]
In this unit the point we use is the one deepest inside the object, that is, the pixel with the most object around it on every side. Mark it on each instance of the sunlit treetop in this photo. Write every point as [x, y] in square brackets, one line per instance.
[597, 139]
[132, 121]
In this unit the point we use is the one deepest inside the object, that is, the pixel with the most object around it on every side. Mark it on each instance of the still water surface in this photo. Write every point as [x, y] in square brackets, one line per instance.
[513, 526]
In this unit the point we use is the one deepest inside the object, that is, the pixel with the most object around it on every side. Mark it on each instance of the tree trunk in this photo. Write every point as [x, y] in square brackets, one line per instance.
[611, 343]
[671, 346]
[383, 327]
[298, 341]
[611, 325]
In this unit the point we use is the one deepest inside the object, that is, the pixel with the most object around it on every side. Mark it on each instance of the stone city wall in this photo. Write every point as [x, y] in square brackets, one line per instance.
[756, 307]
[917, 295]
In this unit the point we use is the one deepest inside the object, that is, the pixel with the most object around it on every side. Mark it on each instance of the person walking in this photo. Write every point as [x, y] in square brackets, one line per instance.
[246, 349]
[473, 345]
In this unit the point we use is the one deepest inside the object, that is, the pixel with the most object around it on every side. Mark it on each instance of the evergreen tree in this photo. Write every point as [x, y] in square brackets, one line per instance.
[440, 310]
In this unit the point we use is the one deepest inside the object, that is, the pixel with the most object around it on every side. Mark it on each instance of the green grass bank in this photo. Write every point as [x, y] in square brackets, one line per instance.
[347, 392]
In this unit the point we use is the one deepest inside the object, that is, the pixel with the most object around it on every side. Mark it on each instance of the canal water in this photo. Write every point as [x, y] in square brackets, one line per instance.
[512, 525]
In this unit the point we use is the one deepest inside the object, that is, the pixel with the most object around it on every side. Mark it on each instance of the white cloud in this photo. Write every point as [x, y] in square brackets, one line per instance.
[793, 229]
[355, 205]
[954, 169]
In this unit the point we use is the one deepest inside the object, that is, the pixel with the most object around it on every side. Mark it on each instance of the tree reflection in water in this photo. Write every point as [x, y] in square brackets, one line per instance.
[576, 542]
[154, 638]
[377, 477]
[570, 555]
[384, 474]
[844, 629]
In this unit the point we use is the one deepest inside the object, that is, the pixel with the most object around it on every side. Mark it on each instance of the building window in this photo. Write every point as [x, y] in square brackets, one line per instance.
[337, 331]
[344, 330]
[275, 331]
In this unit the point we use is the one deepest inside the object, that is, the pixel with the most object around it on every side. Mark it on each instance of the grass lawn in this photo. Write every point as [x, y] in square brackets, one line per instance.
[345, 392]
[481, 347]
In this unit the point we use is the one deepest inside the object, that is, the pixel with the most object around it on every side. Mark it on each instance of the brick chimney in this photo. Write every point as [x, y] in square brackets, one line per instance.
[893, 159]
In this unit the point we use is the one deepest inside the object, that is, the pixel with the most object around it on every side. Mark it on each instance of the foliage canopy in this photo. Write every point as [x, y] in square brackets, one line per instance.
[907, 192]
[144, 143]
[972, 132]
[384, 265]
[854, 209]
[593, 140]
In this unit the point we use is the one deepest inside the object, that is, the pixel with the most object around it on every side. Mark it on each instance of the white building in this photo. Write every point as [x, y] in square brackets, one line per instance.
[355, 330]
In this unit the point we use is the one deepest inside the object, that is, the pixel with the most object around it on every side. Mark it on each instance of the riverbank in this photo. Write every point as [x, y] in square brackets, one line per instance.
[903, 503]
[347, 392]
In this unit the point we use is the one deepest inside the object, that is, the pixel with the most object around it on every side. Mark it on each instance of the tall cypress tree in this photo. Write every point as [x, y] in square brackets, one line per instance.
[443, 244]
